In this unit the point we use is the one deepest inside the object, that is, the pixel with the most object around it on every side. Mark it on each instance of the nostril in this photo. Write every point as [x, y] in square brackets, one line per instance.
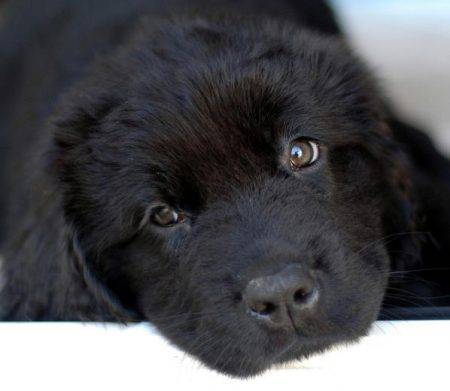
[263, 308]
[305, 297]
[301, 295]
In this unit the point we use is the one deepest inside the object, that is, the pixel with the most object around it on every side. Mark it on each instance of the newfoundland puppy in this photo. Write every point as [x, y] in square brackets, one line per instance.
[227, 170]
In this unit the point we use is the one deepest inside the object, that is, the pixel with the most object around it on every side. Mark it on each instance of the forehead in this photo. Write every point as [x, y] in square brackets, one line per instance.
[228, 120]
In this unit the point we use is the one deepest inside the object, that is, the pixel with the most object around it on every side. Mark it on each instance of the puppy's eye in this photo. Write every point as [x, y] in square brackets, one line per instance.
[303, 153]
[165, 216]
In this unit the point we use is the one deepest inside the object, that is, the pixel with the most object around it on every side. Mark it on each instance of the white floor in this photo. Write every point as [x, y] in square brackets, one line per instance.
[71, 356]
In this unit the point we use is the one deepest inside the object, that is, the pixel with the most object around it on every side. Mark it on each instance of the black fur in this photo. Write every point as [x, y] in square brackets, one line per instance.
[110, 107]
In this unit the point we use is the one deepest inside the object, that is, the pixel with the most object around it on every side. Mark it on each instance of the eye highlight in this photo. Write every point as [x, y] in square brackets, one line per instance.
[165, 216]
[303, 153]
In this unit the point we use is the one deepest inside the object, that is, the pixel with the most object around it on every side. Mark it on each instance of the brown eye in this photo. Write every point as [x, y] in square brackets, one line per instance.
[303, 153]
[166, 216]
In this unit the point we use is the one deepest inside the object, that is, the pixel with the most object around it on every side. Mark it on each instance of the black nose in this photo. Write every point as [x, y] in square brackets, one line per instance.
[281, 298]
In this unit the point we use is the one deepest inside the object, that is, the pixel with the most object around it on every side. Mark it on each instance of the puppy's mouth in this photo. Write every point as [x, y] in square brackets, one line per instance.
[288, 346]
[279, 318]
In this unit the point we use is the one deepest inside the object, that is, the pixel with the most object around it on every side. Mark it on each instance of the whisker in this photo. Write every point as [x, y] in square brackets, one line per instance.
[421, 270]
[389, 238]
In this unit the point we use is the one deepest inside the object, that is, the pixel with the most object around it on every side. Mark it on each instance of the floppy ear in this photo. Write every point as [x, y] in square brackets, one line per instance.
[47, 274]
[422, 207]
[403, 241]
[84, 162]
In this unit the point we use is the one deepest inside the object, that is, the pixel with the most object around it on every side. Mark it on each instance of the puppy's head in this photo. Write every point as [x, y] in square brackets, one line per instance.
[233, 184]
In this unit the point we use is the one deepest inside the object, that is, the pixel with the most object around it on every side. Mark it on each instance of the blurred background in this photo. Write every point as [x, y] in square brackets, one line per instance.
[407, 44]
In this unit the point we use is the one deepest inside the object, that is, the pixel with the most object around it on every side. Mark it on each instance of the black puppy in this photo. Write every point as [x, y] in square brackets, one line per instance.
[227, 170]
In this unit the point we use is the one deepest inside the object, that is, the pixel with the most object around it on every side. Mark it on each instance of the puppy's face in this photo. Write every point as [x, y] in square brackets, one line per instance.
[235, 194]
